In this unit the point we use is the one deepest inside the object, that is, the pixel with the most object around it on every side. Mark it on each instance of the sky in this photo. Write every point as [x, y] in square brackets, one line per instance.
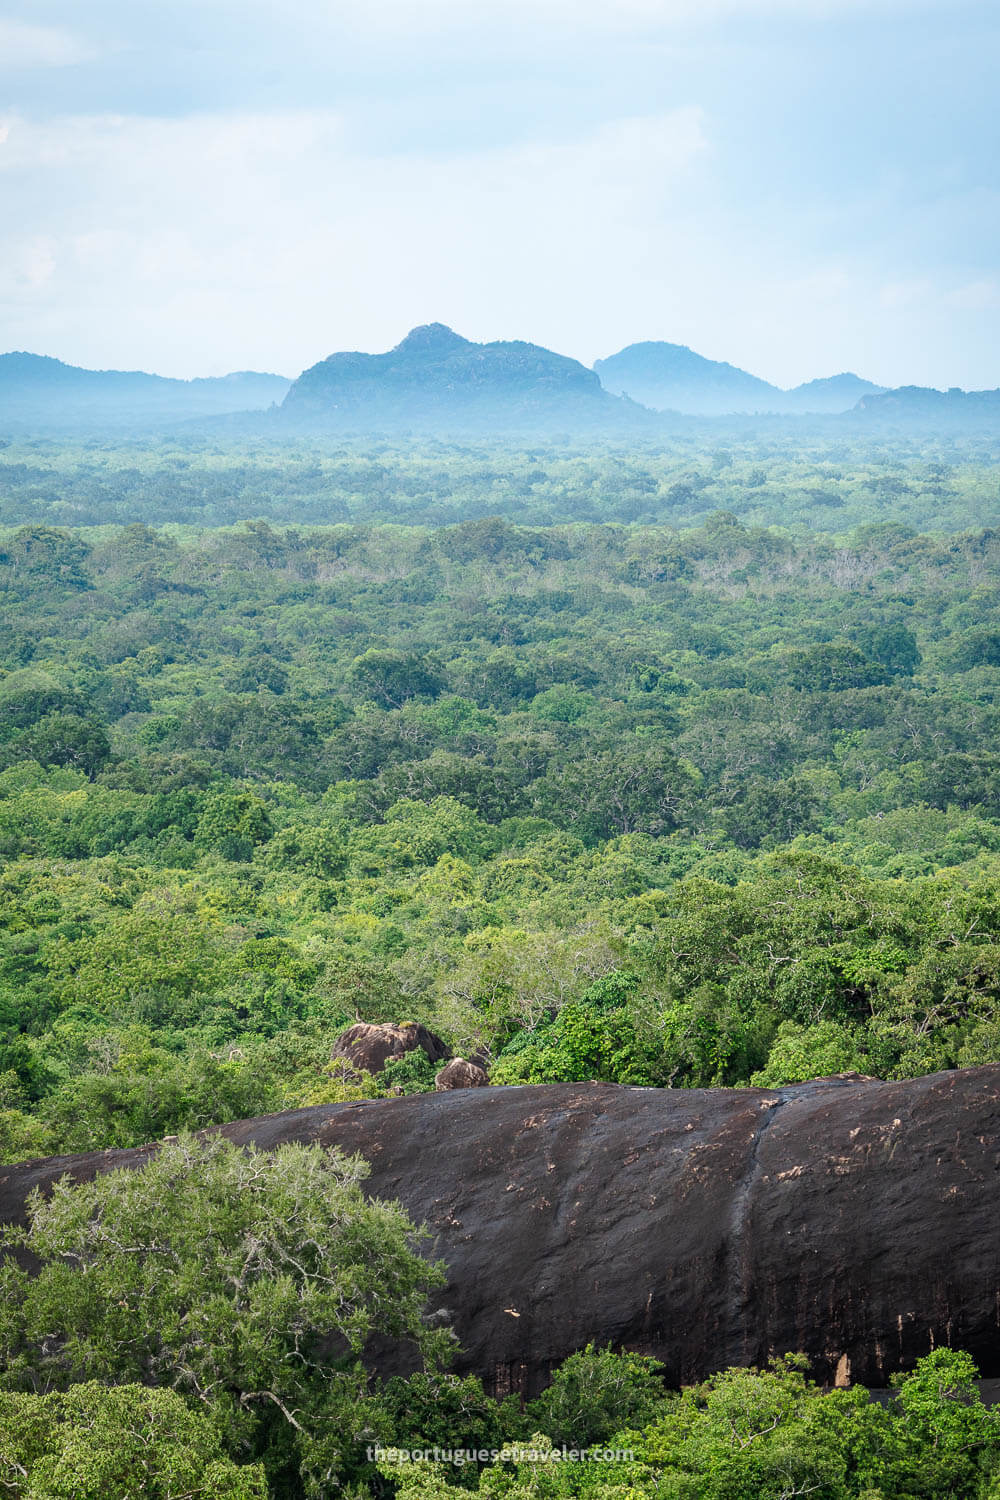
[800, 187]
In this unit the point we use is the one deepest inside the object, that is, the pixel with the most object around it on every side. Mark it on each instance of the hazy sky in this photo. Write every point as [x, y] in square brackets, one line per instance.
[797, 186]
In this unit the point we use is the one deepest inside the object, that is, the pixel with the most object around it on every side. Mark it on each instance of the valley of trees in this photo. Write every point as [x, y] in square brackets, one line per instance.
[668, 768]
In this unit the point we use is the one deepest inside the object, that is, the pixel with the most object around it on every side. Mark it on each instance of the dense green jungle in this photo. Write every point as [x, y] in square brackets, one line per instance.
[672, 765]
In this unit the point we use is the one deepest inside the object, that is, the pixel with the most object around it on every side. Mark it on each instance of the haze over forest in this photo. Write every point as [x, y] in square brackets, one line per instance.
[435, 380]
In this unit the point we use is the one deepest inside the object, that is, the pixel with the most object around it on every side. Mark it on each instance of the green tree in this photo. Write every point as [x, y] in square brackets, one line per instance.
[95, 1442]
[391, 678]
[944, 1441]
[233, 822]
[313, 850]
[61, 739]
[771, 811]
[803, 1052]
[894, 646]
[594, 1394]
[248, 1281]
[755, 1435]
[610, 791]
[440, 1410]
[413, 1073]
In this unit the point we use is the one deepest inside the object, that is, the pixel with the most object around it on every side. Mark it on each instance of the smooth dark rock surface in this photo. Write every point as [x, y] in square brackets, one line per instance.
[855, 1220]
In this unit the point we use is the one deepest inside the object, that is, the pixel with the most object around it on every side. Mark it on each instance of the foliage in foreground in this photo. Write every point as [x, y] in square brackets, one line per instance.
[195, 1328]
[760, 1435]
[687, 779]
[98, 1442]
[247, 1281]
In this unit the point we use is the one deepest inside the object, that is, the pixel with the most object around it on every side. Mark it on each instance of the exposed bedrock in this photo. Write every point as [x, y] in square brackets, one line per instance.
[856, 1220]
[370, 1047]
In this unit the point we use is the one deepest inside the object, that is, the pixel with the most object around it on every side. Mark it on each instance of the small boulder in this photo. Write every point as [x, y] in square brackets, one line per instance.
[369, 1048]
[459, 1074]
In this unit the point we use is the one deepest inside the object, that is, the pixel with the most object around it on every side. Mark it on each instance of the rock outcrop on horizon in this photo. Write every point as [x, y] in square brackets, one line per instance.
[922, 406]
[851, 1219]
[829, 396]
[437, 381]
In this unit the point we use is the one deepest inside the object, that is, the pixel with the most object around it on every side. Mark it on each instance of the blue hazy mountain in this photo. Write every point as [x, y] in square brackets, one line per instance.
[917, 405]
[41, 392]
[672, 377]
[436, 380]
[828, 396]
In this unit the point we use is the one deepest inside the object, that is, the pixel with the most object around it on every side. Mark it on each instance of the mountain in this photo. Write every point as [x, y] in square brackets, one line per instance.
[38, 391]
[917, 405]
[837, 393]
[672, 377]
[437, 380]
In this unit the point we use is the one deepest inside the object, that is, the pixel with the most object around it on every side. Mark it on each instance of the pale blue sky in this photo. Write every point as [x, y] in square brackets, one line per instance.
[798, 186]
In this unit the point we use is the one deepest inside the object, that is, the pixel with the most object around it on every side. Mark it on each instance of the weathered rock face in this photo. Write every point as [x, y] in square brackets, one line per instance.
[370, 1047]
[459, 1074]
[851, 1219]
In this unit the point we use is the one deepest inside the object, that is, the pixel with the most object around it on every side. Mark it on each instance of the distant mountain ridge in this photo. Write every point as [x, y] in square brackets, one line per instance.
[38, 389]
[918, 403]
[672, 377]
[830, 394]
[436, 381]
[435, 378]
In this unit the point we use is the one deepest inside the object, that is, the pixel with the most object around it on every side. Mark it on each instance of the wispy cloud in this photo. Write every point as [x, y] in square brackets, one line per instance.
[24, 46]
[977, 296]
[423, 16]
[271, 231]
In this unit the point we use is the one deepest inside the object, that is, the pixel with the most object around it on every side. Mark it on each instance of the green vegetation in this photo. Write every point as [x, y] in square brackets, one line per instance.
[249, 1282]
[194, 1327]
[99, 1442]
[664, 768]
[759, 1435]
[818, 475]
[659, 806]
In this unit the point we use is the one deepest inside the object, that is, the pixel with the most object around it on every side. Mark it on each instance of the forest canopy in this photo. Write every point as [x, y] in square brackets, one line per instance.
[669, 804]
[670, 768]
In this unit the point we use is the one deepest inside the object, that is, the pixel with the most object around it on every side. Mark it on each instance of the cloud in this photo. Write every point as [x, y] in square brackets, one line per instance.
[246, 233]
[911, 292]
[977, 296]
[424, 16]
[24, 46]
[251, 240]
